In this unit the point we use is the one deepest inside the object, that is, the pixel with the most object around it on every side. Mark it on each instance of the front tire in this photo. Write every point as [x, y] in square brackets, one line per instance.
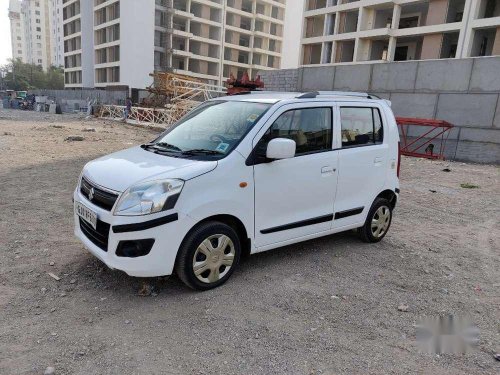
[208, 256]
[377, 222]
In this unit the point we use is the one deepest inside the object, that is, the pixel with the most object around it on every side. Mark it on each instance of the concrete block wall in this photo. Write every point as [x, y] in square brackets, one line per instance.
[280, 80]
[464, 92]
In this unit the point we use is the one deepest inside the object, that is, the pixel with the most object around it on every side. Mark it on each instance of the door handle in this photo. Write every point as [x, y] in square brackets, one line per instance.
[326, 170]
[377, 160]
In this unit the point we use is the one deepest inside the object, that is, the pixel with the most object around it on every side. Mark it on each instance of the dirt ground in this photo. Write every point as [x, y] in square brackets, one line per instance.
[328, 306]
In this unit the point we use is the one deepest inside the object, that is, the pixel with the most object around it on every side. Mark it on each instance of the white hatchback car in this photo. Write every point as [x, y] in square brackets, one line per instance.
[242, 174]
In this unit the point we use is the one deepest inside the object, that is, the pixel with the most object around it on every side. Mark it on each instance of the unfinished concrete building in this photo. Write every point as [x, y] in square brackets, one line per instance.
[343, 31]
[211, 39]
[207, 39]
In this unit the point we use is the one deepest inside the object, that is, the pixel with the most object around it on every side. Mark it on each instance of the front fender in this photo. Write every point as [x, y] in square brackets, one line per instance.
[221, 192]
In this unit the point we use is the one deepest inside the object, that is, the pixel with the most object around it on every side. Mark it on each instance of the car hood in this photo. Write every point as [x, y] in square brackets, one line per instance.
[122, 169]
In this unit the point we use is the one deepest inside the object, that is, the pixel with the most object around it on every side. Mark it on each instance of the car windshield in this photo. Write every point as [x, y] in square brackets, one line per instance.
[213, 129]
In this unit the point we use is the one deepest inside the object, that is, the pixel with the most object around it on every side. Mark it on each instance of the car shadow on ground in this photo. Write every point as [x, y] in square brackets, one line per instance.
[250, 270]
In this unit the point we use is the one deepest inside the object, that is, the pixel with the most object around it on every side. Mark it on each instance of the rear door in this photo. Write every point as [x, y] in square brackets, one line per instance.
[363, 160]
[294, 197]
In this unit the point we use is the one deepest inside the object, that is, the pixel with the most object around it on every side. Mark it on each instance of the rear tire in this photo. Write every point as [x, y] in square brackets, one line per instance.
[208, 256]
[377, 222]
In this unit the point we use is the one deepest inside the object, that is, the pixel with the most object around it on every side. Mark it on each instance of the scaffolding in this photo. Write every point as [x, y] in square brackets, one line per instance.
[171, 97]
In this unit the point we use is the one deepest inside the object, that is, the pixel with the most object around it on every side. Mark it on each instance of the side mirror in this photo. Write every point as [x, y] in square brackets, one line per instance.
[281, 148]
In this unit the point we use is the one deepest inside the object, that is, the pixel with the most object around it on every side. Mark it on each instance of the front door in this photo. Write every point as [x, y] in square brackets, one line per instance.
[294, 197]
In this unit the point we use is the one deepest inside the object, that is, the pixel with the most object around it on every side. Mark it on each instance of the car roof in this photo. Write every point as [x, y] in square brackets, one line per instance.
[273, 97]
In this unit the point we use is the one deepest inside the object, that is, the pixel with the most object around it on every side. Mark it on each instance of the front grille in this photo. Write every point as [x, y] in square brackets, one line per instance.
[100, 197]
[99, 236]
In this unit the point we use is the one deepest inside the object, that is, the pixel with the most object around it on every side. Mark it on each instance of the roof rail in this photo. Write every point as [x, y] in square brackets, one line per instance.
[256, 92]
[315, 94]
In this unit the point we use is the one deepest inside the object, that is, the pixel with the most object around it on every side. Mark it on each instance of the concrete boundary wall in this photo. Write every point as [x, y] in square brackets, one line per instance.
[465, 92]
[71, 100]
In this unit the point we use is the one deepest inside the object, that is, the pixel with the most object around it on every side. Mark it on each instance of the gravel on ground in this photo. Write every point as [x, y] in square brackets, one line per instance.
[333, 305]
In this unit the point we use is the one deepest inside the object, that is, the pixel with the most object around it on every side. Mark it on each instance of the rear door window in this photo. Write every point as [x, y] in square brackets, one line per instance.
[361, 126]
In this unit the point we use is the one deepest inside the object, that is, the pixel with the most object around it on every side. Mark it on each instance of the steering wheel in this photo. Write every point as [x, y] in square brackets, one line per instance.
[218, 137]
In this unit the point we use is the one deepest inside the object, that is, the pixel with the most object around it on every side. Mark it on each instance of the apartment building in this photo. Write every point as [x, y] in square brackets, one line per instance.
[35, 32]
[17, 30]
[342, 31]
[78, 19]
[56, 32]
[207, 39]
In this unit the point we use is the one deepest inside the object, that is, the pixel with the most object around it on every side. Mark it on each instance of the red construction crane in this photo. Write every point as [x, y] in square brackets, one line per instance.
[245, 84]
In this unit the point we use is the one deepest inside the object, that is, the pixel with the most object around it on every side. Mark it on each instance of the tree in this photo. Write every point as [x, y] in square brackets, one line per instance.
[55, 78]
[21, 76]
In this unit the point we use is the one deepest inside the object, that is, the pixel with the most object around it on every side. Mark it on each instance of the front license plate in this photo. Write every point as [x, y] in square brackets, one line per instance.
[86, 214]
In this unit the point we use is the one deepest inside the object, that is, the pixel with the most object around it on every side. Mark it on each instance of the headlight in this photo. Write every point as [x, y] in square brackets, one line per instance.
[149, 197]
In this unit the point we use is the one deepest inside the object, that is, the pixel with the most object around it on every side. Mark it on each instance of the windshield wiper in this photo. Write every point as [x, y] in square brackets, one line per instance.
[168, 146]
[162, 146]
[202, 151]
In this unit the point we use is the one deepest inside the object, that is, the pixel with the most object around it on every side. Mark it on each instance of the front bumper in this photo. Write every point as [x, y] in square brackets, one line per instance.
[160, 260]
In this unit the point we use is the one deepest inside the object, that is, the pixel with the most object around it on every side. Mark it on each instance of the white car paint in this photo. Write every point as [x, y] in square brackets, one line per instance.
[276, 193]
[124, 168]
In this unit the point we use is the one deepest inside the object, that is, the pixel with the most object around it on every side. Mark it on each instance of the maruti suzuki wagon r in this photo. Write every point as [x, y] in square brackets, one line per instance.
[242, 174]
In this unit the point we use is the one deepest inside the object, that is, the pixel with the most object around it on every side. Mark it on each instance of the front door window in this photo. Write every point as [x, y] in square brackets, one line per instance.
[310, 128]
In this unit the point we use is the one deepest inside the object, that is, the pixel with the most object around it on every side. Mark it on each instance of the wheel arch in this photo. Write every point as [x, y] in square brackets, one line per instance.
[232, 221]
[390, 196]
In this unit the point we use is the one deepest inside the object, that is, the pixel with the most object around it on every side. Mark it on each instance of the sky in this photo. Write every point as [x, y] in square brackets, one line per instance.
[5, 47]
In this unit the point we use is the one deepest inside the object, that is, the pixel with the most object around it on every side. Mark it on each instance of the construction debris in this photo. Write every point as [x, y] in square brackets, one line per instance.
[172, 95]
[178, 94]
[74, 138]
[403, 307]
[54, 276]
